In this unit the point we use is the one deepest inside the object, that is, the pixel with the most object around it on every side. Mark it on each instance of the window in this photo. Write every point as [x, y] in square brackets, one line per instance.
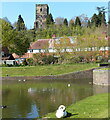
[31, 51]
[41, 10]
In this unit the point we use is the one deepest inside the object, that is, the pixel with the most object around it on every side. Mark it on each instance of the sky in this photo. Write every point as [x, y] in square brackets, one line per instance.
[68, 10]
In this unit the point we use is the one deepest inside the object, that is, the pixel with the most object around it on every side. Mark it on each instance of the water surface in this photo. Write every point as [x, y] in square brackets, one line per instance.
[33, 99]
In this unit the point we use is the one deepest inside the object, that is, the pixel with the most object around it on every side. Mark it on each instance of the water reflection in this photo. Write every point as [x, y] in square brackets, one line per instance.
[33, 99]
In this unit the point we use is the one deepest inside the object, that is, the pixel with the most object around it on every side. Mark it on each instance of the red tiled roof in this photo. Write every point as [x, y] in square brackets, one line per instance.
[26, 55]
[40, 44]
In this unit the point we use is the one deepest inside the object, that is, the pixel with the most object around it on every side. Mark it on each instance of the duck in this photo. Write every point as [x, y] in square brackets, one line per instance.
[3, 106]
[61, 112]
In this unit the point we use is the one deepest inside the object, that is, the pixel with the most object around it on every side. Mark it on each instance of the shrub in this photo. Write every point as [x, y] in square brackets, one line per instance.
[49, 59]
[30, 61]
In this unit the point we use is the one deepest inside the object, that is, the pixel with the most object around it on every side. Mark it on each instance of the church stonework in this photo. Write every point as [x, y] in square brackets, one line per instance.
[42, 10]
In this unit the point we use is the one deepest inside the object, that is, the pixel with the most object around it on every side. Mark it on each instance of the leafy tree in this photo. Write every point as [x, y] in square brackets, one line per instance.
[71, 23]
[31, 34]
[90, 45]
[103, 20]
[20, 24]
[89, 24]
[16, 41]
[65, 22]
[84, 19]
[59, 21]
[77, 22]
[7, 33]
[20, 43]
[49, 19]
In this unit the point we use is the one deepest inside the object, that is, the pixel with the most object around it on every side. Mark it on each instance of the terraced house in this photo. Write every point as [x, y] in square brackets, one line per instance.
[49, 46]
[60, 45]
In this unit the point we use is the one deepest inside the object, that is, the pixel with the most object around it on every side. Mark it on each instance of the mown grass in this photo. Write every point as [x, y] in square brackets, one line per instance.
[107, 68]
[45, 69]
[91, 107]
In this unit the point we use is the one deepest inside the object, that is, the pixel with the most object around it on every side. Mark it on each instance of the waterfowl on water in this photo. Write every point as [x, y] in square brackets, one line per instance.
[69, 85]
[3, 106]
[22, 80]
[61, 112]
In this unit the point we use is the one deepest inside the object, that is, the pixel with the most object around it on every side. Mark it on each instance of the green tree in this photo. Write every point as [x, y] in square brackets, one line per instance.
[103, 20]
[49, 19]
[59, 21]
[101, 15]
[20, 24]
[7, 33]
[71, 23]
[89, 24]
[16, 41]
[21, 43]
[99, 18]
[77, 22]
[95, 20]
[65, 22]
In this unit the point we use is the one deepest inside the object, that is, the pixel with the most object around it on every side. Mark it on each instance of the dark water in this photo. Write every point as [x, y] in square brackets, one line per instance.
[33, 99]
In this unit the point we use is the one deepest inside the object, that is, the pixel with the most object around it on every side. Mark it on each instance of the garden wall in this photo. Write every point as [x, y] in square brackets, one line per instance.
[101, 77]
[87, 74]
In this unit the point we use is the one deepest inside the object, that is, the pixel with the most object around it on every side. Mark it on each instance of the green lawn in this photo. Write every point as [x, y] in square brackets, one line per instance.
[45, 69]
[91, 107]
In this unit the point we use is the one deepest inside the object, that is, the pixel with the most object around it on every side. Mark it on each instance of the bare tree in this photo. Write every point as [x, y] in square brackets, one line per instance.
[59, 21]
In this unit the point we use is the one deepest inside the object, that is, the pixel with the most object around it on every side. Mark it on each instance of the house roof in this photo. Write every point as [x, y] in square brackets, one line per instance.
[26, 55]
[40, 44]
[9, 57]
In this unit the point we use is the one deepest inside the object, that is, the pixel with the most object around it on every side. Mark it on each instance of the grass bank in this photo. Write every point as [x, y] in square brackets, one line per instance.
[91, 107]
[45, 69]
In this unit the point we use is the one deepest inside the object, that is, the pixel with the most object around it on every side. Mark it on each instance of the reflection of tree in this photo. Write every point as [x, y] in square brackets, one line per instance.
[47, 97]
[18, 102]
[23, 103]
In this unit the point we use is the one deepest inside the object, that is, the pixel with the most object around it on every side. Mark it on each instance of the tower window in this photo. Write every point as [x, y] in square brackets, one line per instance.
[41, 10]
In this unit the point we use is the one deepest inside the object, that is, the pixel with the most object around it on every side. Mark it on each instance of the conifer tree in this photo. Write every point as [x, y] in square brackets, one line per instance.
[65, 22]
[49, 19]
[95, 20]
[77, 22]
[99, 18]
[20, 24]
[101, 15]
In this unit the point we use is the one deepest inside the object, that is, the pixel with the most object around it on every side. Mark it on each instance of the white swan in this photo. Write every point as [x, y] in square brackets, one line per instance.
[61, 112]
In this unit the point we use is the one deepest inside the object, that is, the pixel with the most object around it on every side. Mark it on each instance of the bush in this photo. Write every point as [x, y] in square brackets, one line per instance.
[4, 65]
[49, 59]
[25, 63]
[30, 61]
[75, 59]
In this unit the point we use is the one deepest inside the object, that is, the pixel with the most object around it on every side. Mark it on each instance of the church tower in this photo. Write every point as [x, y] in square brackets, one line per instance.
[42, 10]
